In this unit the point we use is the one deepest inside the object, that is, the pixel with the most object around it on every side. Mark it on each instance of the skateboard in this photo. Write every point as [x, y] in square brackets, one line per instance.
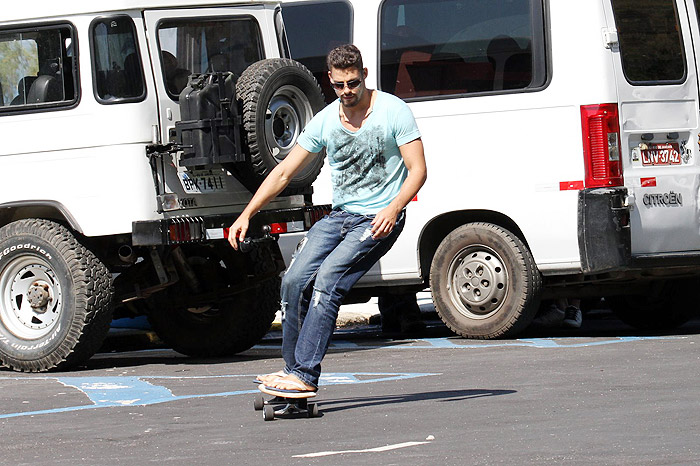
[290, 404]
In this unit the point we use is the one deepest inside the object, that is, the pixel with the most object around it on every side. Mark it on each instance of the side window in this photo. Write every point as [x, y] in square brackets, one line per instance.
[117, 70]
[204, 46]
[651, 46]
[313, 30]
[37, 69]
[453, 47]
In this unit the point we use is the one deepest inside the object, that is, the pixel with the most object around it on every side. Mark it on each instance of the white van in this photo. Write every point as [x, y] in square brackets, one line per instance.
[133, 133]
[562, 146]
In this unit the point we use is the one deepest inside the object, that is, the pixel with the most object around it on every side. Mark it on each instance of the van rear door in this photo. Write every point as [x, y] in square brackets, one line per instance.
[657, 85]
[183, 42]
[201, 40]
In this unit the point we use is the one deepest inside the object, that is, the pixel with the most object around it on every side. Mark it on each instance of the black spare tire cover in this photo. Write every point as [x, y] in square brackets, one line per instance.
[278, 97]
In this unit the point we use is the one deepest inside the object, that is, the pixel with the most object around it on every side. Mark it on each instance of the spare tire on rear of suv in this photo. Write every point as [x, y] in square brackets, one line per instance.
[279, 97]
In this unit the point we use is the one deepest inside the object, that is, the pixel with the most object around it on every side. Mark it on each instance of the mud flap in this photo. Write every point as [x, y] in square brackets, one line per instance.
[604, 229]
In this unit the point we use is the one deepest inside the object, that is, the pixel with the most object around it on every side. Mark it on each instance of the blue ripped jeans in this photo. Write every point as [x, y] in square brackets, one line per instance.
[335, 253]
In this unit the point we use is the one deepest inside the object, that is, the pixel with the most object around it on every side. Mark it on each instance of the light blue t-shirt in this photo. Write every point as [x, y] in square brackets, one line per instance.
[367, 169]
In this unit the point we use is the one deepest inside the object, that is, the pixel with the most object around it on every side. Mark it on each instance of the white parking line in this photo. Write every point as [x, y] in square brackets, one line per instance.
[368, 450]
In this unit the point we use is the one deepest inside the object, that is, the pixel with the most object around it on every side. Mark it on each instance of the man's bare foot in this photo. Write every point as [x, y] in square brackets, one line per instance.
[290, 382]
[267, 378]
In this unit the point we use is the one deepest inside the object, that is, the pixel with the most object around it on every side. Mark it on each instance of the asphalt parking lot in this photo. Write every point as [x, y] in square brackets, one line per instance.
[603, 394]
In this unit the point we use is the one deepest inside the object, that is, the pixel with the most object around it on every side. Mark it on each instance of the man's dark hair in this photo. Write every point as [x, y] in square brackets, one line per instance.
[344, 57]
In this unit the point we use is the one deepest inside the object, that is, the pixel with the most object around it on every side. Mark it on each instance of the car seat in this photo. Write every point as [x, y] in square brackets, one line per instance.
[23, 87]
[45, 88]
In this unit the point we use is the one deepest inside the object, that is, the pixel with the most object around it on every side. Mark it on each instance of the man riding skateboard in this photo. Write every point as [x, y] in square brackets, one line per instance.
[377, 166]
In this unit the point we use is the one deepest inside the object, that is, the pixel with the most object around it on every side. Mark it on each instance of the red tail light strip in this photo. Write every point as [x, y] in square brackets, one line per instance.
[601, 135]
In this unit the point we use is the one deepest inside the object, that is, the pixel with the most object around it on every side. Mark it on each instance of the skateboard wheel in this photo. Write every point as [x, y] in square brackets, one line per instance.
[258, 402]
[312, 410]
[268, 413]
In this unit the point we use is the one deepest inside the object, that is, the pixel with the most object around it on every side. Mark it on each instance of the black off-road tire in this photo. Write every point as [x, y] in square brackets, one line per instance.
[670, 304]
[278, 97]
[229, 326]
[71, 316]
[484, 282]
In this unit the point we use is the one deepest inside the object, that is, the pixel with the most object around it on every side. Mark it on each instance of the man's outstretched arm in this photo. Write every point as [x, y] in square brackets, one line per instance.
[274, 183]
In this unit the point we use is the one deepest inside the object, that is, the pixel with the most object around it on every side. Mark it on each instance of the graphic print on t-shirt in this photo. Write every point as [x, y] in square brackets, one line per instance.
[361, 161]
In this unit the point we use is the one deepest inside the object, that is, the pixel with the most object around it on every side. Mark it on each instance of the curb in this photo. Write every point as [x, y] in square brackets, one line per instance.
[126, 339]
[346, 319]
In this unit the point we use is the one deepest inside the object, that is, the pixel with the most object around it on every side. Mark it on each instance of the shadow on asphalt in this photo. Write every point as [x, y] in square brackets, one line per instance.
[342, 404]
[165, 356]
[596, 324]
[137, 357]
[604, 324]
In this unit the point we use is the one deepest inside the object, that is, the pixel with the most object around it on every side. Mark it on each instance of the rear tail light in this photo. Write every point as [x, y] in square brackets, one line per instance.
[186, 229]
[601, 145]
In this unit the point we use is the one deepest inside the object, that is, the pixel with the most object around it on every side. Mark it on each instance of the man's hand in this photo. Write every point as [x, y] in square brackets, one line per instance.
[237, 231]
[384, 222]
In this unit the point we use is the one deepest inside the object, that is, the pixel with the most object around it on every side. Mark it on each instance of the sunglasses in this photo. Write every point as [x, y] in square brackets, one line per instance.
[351, 84]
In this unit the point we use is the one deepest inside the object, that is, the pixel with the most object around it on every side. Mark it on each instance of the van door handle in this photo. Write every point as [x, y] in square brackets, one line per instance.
[610, 39]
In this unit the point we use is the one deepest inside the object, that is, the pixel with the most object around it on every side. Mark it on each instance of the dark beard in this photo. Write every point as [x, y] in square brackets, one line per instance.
[351, 103]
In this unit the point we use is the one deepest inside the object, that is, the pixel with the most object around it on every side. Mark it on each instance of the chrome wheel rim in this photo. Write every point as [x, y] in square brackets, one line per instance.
[32, 298]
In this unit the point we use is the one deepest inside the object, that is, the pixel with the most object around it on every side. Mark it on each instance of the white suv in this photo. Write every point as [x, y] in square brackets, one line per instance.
[132, 137]
[562, 146]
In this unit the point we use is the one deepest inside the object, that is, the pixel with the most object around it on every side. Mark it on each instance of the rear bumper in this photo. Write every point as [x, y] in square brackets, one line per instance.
[184, 230]
[604, 230]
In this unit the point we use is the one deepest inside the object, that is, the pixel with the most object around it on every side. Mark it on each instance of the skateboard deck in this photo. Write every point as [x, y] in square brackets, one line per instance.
[282, 394]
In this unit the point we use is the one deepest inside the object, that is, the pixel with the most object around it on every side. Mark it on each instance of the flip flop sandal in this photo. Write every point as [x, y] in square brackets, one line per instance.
[273, 374]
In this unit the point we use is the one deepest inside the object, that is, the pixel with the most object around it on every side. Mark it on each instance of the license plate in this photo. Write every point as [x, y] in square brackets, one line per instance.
[198, 182]
[661, 154]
